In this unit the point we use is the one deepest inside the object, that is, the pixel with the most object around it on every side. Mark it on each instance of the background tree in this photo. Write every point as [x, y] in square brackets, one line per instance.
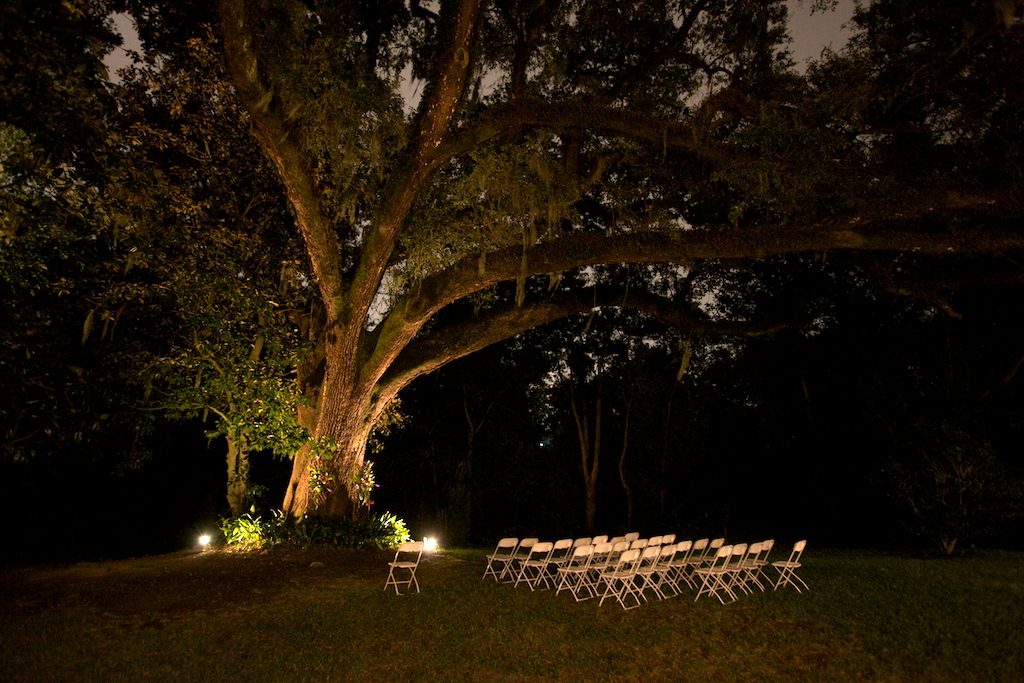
[214, 255]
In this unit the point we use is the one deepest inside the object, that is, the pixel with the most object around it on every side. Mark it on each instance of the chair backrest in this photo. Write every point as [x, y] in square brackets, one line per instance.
[602, 551]
[684, 548]
[504, 543]
[581, 556]
[798, 550]
[586, 540]
[628, 560]
[766, 550]
[618, 548]
[638, 544]
[654, 540]
[650, 555]
[617, 539]
[409, 548]
[716, 543]
[722, 556]
[739, 551]
[632, 536]
[542, 548]
[597, 540]
[668, 538]
[560, 550]
[525, 545]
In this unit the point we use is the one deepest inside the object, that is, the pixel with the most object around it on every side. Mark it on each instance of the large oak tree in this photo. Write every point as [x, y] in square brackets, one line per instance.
[437, 152]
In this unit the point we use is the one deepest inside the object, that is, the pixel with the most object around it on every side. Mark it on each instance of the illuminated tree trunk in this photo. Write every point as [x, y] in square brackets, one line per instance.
[238, 474]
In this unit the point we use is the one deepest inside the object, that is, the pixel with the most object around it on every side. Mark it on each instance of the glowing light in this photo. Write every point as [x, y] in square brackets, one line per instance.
[430, 544]
[204, 541]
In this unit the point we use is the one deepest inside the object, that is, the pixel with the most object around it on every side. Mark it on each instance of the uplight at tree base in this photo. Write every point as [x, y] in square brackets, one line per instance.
[430, 544]
[204, 541]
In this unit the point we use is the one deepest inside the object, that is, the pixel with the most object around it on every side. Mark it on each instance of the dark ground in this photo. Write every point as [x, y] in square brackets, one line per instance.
[162, 588]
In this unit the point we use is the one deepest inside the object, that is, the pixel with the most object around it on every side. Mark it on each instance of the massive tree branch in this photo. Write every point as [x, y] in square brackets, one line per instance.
[689, 136]
[442, 345]
[275, 135]
[441, 98]
[576, 250]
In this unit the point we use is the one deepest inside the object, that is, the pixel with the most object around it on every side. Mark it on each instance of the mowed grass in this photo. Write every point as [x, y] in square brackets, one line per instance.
[867, 616]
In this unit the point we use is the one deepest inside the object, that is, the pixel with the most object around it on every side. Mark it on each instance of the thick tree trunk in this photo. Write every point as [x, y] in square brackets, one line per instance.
[238, 475]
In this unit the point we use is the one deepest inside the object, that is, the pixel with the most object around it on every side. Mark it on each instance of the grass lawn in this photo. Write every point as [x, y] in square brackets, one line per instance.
[323, 616]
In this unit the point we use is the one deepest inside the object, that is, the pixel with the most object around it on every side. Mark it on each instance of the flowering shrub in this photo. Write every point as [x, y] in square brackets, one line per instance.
[252, 531]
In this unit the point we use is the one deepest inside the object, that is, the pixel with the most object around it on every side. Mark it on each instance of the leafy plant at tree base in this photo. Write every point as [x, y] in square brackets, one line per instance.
[250, 531]
[951, 486]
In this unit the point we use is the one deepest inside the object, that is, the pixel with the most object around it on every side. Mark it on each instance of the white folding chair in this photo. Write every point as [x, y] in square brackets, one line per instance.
[668, 539]
[499, 559]
[735, 569]
[598, 540]
[404, 562]
[533, 569]
[511, 570]
[756, 560]
[679, 567]
[664, 569]
[713, 578]
[787, 568]
[654, 540]
[560, 553]
[632, 536]
[591, 579]
[620, 582]
[697, 555]
[638, 544]
[571, 576]
[648, 570]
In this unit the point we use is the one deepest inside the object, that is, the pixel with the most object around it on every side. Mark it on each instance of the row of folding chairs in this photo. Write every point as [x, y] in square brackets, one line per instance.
[740, 568]
[628, 570]
[532, 561]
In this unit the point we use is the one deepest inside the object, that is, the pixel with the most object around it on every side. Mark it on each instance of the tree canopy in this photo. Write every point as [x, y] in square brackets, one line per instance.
[462, 171]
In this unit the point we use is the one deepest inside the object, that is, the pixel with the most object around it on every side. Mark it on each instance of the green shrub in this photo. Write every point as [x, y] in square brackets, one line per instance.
[252, 531]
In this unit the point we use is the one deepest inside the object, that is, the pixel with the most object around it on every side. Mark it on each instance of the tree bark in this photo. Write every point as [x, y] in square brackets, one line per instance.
[238, 474]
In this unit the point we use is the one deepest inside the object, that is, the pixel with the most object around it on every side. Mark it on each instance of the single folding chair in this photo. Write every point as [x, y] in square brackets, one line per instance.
[648, 569]
[679, 567]
[560, 554]
[407, 559]
[714, 578]
[499, 559]
[533, 569]
[621, 583]
[787, 568]
[511, 570]
[571, 576]
[664, 569]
